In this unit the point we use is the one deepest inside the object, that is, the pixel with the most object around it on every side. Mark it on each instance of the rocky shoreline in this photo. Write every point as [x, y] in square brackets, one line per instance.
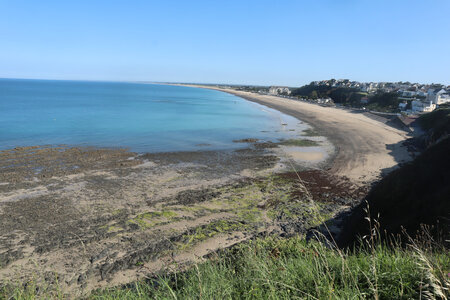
[86, 218]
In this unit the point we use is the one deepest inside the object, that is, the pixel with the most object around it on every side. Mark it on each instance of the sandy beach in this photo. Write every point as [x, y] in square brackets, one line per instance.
[366, 148]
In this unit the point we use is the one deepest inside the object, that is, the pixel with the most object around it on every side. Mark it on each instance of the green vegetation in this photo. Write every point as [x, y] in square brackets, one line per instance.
[273, 268]
[386, 102]
[436, 122]
[300, 143]
[248, 201]
[212, 229]
[310, 132]
[153, 218]
[250, 88]
[196, 210]
[340, 95]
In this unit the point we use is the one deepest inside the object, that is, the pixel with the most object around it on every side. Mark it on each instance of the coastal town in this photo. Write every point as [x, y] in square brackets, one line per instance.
[389, 97]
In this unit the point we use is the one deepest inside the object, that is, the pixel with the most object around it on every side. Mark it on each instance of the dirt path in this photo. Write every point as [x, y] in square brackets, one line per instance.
[366, 148]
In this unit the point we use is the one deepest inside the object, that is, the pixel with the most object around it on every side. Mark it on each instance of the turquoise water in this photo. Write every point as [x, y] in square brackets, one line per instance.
[141, 117]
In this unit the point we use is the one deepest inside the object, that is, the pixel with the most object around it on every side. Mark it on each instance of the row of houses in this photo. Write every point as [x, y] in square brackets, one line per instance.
[424, 102]
[417, 98]
[406, 88]
[422, 97]
[367, 87]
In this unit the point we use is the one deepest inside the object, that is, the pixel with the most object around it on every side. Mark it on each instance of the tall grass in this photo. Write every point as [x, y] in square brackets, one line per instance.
[275, 268]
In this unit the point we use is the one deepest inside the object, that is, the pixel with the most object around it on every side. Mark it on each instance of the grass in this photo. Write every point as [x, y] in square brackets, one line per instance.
[300, 143]
[290, 268]
[275, 268]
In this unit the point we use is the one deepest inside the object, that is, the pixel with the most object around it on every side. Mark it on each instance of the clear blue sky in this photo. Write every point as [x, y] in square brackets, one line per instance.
[252, 42]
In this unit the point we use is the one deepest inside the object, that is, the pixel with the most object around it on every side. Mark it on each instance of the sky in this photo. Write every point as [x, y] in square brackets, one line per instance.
[234, 42]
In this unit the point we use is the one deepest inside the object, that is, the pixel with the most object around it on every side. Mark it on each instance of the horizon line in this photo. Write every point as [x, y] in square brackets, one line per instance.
[204, 83]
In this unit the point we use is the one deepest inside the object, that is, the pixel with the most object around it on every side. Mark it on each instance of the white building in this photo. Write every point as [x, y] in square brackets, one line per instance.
[325, 101]
[279, 90]
[419, 106]
[373, 87]
[442, 97]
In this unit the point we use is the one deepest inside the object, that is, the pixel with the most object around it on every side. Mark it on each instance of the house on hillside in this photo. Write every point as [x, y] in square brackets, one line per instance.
[421, 94]
[373, 87]
[408, 93]
[442, 97]
[279, 90]
[419, 106]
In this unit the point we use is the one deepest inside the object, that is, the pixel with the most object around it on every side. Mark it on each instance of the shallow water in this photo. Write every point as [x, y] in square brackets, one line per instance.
[141, 117]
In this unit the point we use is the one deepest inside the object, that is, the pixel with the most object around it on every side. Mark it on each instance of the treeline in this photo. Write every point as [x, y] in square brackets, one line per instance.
[384, 102]
[338, 94]
[349, 97]
[251, 88]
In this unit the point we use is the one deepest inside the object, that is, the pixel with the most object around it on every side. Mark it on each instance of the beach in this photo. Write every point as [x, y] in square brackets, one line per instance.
[366, 148]
[82, 218]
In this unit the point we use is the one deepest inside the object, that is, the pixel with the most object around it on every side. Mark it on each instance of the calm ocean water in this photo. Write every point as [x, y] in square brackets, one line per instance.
[141, 117]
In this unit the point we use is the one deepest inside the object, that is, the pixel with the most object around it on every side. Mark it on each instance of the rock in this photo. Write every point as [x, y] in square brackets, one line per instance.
[81, 279]
[261, 204]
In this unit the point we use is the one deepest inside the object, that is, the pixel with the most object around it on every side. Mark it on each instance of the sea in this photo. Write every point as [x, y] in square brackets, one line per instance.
[141, 117]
